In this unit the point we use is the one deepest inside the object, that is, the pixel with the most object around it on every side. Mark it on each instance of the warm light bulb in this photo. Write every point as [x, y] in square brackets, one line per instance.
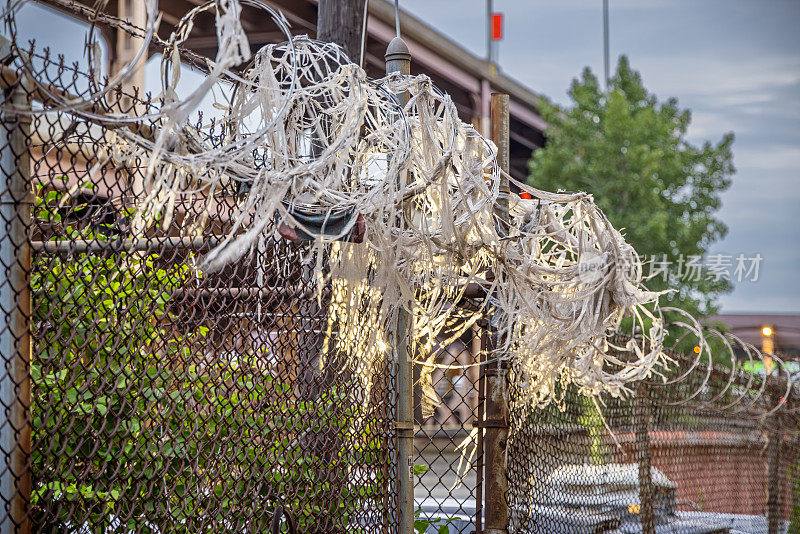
[766, 331]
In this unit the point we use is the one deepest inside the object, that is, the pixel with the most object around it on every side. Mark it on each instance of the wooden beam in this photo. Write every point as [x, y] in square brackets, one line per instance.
[525, 114]
[209, 42]
[306, 20]
[520, 139]
[433, 52]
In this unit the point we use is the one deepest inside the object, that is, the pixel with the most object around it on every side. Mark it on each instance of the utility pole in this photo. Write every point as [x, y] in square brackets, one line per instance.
[489, 43]
[605, 42]
[494, 34]
[340, 22]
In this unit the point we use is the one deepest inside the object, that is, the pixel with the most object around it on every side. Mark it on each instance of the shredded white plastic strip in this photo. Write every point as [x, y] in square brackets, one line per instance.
[305, 133]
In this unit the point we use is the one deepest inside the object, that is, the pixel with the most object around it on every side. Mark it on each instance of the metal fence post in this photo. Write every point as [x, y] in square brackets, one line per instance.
[15, 305]
[398, 59]
[775, 485]
[496, 437]
[501, 127]
[480, 413]
[774, 472]
[641, 418]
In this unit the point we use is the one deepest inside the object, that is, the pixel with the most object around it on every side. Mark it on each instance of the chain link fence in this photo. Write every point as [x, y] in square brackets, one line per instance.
[707, 453]
[142, 394]
[145, 395]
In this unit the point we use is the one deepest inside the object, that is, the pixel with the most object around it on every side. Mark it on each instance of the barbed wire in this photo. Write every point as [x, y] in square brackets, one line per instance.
[311, 138]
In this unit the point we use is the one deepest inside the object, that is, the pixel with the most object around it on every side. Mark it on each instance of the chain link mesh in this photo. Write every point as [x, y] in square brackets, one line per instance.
[701, 455]
[164, 398]
[447, 463]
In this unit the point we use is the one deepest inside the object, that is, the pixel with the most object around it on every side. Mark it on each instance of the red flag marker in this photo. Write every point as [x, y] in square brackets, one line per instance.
[497, 26]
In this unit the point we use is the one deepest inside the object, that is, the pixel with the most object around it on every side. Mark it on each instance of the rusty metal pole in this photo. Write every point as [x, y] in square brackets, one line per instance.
[642, 422]
[398, 59]
[501, 125]
[15, 303]
[496, 423]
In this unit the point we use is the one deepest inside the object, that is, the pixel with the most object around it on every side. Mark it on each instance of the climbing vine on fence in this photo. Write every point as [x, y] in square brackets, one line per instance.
[135, 427]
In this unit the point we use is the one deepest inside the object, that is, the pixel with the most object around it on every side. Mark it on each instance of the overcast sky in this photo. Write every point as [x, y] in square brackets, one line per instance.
[734, 63]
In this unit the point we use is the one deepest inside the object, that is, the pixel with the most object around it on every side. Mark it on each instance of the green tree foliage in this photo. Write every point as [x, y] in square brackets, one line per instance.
[630, 151]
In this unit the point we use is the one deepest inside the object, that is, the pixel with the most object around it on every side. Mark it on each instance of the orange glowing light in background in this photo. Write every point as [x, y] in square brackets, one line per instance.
[767, 345]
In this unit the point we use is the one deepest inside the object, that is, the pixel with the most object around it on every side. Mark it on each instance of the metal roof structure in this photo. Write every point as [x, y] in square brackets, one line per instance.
[467, 78]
